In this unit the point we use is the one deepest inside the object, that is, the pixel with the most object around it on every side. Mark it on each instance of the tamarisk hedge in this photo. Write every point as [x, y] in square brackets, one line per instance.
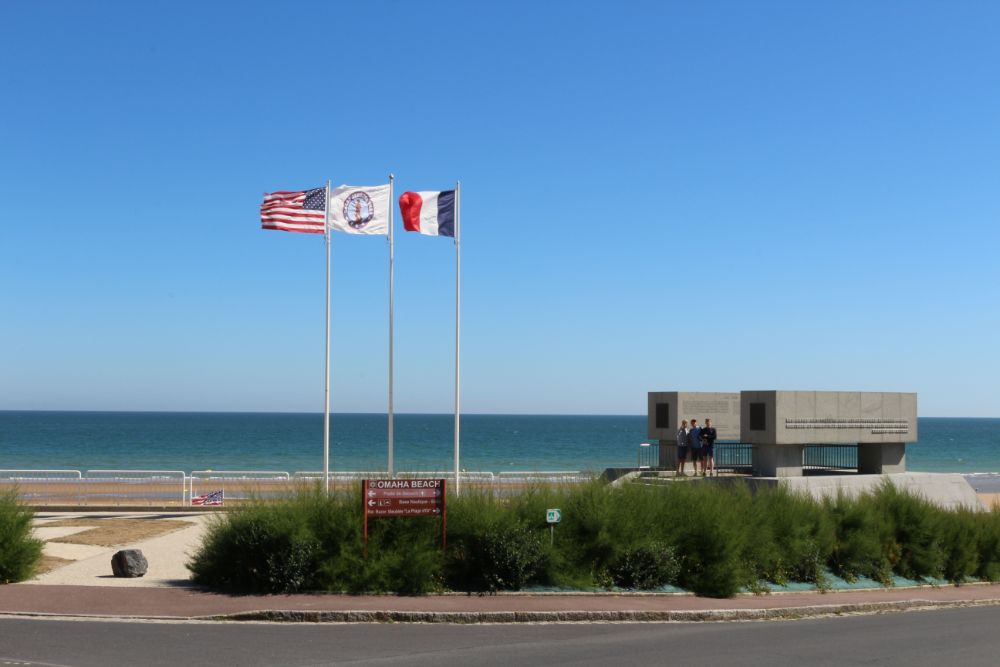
[19, 550]
[711, 539]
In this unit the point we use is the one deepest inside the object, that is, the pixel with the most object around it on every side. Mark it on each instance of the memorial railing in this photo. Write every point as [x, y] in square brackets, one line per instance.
[649, 456]
[830, 457]
[734, 456]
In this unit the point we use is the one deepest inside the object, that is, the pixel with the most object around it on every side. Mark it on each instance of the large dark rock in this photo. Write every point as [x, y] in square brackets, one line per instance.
[129, 563]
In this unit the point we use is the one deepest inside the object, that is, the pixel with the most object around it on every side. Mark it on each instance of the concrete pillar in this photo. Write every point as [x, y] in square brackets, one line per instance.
[668, 454]
[882, 458]
[778, 460]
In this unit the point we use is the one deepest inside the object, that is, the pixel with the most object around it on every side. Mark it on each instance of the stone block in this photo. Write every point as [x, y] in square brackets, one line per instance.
[778, 460]
[129, 563]
[881, 458]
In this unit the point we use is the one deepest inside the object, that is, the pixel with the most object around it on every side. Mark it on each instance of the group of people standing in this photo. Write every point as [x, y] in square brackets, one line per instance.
[700, 443]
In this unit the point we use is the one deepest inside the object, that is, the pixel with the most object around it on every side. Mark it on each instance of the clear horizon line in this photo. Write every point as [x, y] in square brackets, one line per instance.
[320, 413]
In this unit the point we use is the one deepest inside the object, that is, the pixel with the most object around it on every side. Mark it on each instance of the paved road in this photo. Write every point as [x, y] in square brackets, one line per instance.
[966, 637]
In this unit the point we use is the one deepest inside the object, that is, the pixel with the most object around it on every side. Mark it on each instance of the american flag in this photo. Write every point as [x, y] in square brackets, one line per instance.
[300, 211]
[213, 498]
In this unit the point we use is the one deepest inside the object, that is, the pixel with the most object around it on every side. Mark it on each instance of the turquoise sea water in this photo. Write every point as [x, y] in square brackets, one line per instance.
[293, 442]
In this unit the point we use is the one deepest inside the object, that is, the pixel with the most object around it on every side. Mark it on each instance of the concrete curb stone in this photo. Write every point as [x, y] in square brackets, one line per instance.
[716, 615]
[509, 617]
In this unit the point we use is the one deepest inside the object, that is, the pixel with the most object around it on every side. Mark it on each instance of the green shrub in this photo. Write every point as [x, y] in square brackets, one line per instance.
[862, 539]
[988, 533]
[713, 540]
[646, 567]
[959, 536]
[915, 524]
[499, 542]
[257, 548]
[499, 557]
[19, 551]
[589, 532]
[606, 529]
[707, 526]
[403, 556]
[792, 538]
[312, 541]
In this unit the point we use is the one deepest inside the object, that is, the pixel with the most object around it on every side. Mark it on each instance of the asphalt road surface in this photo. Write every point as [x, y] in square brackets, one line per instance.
[962, 637]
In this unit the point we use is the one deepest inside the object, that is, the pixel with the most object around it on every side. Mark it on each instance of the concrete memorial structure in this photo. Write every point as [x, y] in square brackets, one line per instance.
[781, 423]
[668, 408]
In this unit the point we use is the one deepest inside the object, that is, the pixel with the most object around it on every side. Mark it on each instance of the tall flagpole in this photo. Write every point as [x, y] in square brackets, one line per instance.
[458, 319]
[391, 207]
[326, 391]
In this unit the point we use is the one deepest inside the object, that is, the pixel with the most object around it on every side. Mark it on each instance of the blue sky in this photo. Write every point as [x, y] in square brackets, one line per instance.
[707, 196]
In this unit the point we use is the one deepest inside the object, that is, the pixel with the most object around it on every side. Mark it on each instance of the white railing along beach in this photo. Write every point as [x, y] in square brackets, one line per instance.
[176, 488]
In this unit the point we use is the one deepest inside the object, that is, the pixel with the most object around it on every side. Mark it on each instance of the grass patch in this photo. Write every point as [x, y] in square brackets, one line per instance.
[48, 563]
[113, 532]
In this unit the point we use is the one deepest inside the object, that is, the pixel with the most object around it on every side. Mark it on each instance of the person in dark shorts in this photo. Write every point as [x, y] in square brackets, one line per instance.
[694, 442]
[682, 446]
[708, 436]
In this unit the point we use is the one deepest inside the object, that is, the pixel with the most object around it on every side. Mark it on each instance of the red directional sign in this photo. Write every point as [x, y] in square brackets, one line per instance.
[404, 497]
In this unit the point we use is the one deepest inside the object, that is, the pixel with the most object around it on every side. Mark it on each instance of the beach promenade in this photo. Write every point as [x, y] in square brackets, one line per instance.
[80, 584]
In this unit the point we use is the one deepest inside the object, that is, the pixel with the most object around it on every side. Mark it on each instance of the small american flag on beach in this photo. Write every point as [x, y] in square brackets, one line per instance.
[300, 211]
[213, 498]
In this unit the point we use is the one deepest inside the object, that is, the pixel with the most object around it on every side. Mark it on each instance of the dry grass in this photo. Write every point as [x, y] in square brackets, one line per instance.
[48, 563]
[113, 532]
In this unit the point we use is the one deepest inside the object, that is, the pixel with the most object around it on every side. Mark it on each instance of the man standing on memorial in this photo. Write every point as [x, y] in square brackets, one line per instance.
[708, 436]
[694, 442]
[682, 447]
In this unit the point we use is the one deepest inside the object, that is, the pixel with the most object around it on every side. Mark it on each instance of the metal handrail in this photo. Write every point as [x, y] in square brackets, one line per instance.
[85, 481]
[73, 477]
[137, 472]
[645, 454]
[77, 473]
[830, 457]
[731, 455]
[233, 475]
[238, 474]
[340, 474]
[543, 474]
[489, 476]
[119, 474]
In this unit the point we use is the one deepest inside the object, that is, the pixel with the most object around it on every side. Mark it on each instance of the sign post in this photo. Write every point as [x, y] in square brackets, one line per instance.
[405, 497]
[552, 517]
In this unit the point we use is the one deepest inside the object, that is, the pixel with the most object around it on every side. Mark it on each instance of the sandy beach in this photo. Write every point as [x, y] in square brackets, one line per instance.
[990, 499]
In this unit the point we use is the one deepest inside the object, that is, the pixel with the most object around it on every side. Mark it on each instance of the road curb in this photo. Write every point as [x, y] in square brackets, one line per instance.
[644, 616]
[508, 617]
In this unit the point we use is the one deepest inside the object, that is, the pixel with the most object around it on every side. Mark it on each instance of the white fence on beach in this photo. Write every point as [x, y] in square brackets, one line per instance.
[143, 488]
[176, 488]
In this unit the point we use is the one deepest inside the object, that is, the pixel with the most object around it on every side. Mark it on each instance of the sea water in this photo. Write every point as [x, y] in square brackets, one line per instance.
[358, 442]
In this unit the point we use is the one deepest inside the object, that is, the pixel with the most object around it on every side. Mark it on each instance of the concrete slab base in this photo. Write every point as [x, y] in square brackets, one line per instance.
[72, 552]
[947, 490]
[167, 554]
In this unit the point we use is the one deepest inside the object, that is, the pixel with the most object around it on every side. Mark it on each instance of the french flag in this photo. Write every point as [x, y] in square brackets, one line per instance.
[430, 213]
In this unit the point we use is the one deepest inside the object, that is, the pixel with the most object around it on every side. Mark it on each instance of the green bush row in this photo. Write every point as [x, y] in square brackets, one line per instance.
[19, 551]
[710, 539]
